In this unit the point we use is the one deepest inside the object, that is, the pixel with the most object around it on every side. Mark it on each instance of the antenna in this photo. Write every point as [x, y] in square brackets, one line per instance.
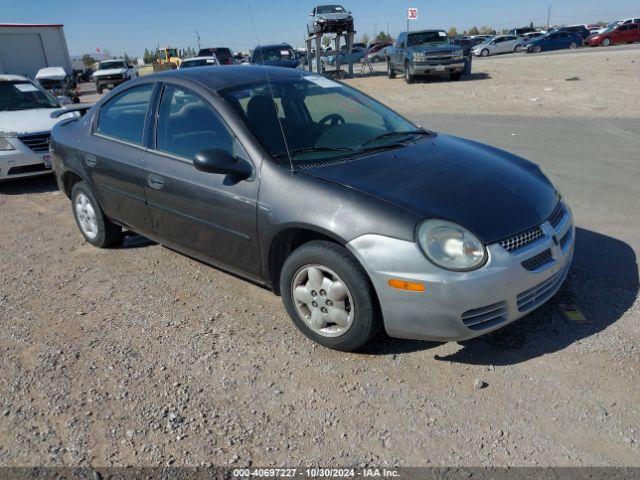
[266, 72]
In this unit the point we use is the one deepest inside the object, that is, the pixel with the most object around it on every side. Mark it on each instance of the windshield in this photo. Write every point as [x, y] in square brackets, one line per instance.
[198, 63]
[111, 65]
[273, 54]
[321, 119]
[24, 96]
[427, 37]
[330, 9]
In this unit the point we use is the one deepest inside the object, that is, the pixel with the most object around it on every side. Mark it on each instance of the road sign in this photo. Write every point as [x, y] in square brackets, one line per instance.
[412, 13]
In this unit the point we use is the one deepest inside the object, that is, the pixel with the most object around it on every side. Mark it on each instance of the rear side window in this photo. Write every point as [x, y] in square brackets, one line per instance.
[123, 116]
[188, 124]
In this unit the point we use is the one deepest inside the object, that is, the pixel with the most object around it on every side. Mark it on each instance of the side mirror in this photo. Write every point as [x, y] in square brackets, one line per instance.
[216, 160]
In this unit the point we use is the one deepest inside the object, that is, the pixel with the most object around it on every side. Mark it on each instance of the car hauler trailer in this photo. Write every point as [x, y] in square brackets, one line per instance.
[26, 48]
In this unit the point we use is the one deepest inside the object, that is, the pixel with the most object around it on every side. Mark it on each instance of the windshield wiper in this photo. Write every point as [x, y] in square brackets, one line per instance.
[420, 131]
[315, 149]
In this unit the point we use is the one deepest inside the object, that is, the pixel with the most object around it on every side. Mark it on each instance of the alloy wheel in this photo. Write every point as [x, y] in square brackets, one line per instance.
[86, 216]
[322, 300]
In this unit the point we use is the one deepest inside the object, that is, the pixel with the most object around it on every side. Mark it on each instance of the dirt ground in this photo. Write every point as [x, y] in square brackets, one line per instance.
[141, 356]
[594, 83]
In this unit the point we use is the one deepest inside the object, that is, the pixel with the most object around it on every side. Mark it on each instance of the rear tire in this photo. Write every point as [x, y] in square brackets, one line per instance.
[573, 45]
[95, 227]
[537, 49]
[391, 73]
[353, 296]
[518, 49]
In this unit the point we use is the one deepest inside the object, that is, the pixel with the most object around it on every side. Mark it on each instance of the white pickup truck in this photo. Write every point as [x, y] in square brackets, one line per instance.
[111, 73]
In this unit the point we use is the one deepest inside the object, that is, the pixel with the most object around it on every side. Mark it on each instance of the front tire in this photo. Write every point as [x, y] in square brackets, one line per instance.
[455, 76]
[329, 297]
[518, 49]
[407, 74]
[484, 52]
[606, 42]
[537, 49]
[391, 73]
[98, 88]
[95, 227]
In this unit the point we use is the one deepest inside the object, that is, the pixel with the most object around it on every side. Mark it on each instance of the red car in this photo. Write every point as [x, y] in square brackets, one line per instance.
[626, 33]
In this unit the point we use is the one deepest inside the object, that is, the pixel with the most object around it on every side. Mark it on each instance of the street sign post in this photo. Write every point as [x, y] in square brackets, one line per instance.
[412, 14]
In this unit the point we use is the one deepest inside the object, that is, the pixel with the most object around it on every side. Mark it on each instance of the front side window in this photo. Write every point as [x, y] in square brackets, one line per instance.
[188, 124]
[24, 95]
[123, 116]
[319, 119]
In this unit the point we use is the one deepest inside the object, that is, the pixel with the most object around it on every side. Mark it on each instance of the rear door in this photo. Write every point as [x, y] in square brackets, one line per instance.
[634, 32]
[113, 156]
[209, 216]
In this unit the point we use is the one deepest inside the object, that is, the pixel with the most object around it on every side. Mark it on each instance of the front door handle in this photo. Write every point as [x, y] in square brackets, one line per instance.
[155, 181]
[90, 160]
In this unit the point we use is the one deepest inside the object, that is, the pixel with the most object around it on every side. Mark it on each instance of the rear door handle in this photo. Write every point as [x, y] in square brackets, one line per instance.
[90, 160]
[155, 181]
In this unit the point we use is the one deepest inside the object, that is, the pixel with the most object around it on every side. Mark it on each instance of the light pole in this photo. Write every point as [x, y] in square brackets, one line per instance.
[198, 35]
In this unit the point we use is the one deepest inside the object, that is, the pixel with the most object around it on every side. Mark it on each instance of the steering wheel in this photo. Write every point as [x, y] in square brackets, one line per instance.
[331, 120]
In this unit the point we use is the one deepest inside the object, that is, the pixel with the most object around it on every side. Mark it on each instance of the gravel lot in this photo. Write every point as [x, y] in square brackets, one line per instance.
[140, 356]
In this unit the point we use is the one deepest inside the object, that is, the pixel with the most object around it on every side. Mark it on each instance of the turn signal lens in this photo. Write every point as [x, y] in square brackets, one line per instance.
[404, 285]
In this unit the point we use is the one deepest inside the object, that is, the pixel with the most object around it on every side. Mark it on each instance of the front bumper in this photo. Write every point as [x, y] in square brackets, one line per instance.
[461, 305]
[424, 68]
[23, 162]
[110, 82]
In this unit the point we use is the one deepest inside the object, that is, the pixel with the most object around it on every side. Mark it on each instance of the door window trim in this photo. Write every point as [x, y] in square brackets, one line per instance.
[141, 146]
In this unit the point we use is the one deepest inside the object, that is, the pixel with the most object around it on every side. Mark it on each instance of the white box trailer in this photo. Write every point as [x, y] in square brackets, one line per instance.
[26, 48]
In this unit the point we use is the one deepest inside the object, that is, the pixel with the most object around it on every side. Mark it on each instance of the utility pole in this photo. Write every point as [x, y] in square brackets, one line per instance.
[198, 35]
[549, 17]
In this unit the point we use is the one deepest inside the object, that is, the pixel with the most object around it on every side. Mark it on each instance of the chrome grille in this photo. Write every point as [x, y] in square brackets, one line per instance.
[485, 317]
[557, 215]
[523, 239]
[535, 263]
[542, 292]
[38, 142]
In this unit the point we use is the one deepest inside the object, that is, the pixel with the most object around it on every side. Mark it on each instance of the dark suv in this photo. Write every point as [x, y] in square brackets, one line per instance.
[224, 54]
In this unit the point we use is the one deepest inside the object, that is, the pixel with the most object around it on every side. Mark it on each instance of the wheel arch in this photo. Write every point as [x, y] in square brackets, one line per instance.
[286, 240]
[68, 179]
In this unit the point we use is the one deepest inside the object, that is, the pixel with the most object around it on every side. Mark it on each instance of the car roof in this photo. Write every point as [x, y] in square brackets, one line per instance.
[203, 57]
[56, 73]
[221, 77]
[273, 45]
[13, 78]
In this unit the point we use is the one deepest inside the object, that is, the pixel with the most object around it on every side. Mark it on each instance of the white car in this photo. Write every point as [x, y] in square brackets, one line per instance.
[111, 73]
[25, 127]
[499, 44]
[210, 60]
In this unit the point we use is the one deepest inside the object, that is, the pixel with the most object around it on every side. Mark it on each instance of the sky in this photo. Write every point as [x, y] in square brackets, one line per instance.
[120, 26]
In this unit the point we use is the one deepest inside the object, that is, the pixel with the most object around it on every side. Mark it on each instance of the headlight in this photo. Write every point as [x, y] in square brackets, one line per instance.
[419, 56]
[5, 145]
[322, 19]
[451, 246]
